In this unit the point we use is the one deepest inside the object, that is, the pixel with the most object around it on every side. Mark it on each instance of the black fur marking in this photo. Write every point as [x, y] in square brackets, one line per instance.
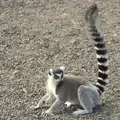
[102, 67]
[102, 75]
[101, 52]
[95, 34]
[102, 60]
[98, 39]
[100, 88]
[56, 77]
[100, 45]
[59, 84]
[102, 82]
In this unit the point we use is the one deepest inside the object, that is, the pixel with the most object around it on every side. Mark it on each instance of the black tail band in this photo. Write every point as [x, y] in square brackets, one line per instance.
[102, 82]
[98, 39]
[102, 75]
[102, 60]
[100, 45]
[102, 67]
[95, 34]
[100, 88]
[101, 52]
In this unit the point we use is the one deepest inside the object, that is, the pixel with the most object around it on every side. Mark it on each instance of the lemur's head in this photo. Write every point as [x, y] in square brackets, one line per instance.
[56, 74]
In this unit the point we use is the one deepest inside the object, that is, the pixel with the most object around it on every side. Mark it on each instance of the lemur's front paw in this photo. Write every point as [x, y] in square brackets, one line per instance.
[47, 112]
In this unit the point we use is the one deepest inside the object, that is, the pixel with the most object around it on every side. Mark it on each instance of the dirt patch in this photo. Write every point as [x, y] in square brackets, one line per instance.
[38, 34]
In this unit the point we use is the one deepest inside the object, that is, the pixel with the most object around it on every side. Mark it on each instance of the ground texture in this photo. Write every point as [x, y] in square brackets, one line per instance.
[38, 34]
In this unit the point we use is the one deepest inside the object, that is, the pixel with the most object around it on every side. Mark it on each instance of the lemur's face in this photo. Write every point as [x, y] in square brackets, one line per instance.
[56, 74]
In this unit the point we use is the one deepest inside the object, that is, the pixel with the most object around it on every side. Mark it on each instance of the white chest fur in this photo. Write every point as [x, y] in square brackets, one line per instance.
[51, 84]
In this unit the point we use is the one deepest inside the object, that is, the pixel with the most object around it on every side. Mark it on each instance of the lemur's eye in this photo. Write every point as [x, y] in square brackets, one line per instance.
[56, 77]
[49, 73]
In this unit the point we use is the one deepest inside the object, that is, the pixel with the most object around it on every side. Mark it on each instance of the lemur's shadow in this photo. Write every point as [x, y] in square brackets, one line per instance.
[103, 108]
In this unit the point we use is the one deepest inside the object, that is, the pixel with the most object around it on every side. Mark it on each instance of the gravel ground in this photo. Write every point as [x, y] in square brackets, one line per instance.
[38, 34]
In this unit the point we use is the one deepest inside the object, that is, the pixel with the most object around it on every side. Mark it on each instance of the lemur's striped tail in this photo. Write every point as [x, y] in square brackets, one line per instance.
[92, 20]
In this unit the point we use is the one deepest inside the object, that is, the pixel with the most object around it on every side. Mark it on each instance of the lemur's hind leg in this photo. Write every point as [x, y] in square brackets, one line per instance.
[89, 98]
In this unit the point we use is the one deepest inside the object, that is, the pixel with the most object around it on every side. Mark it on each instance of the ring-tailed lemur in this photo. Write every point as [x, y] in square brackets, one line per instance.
[72, 89]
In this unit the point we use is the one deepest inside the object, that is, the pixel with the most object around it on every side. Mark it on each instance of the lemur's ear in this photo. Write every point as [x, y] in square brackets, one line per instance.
[62, 68]
[50, 71]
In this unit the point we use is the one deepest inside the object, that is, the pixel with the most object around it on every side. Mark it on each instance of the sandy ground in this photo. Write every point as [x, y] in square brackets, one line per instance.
[38, 34]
